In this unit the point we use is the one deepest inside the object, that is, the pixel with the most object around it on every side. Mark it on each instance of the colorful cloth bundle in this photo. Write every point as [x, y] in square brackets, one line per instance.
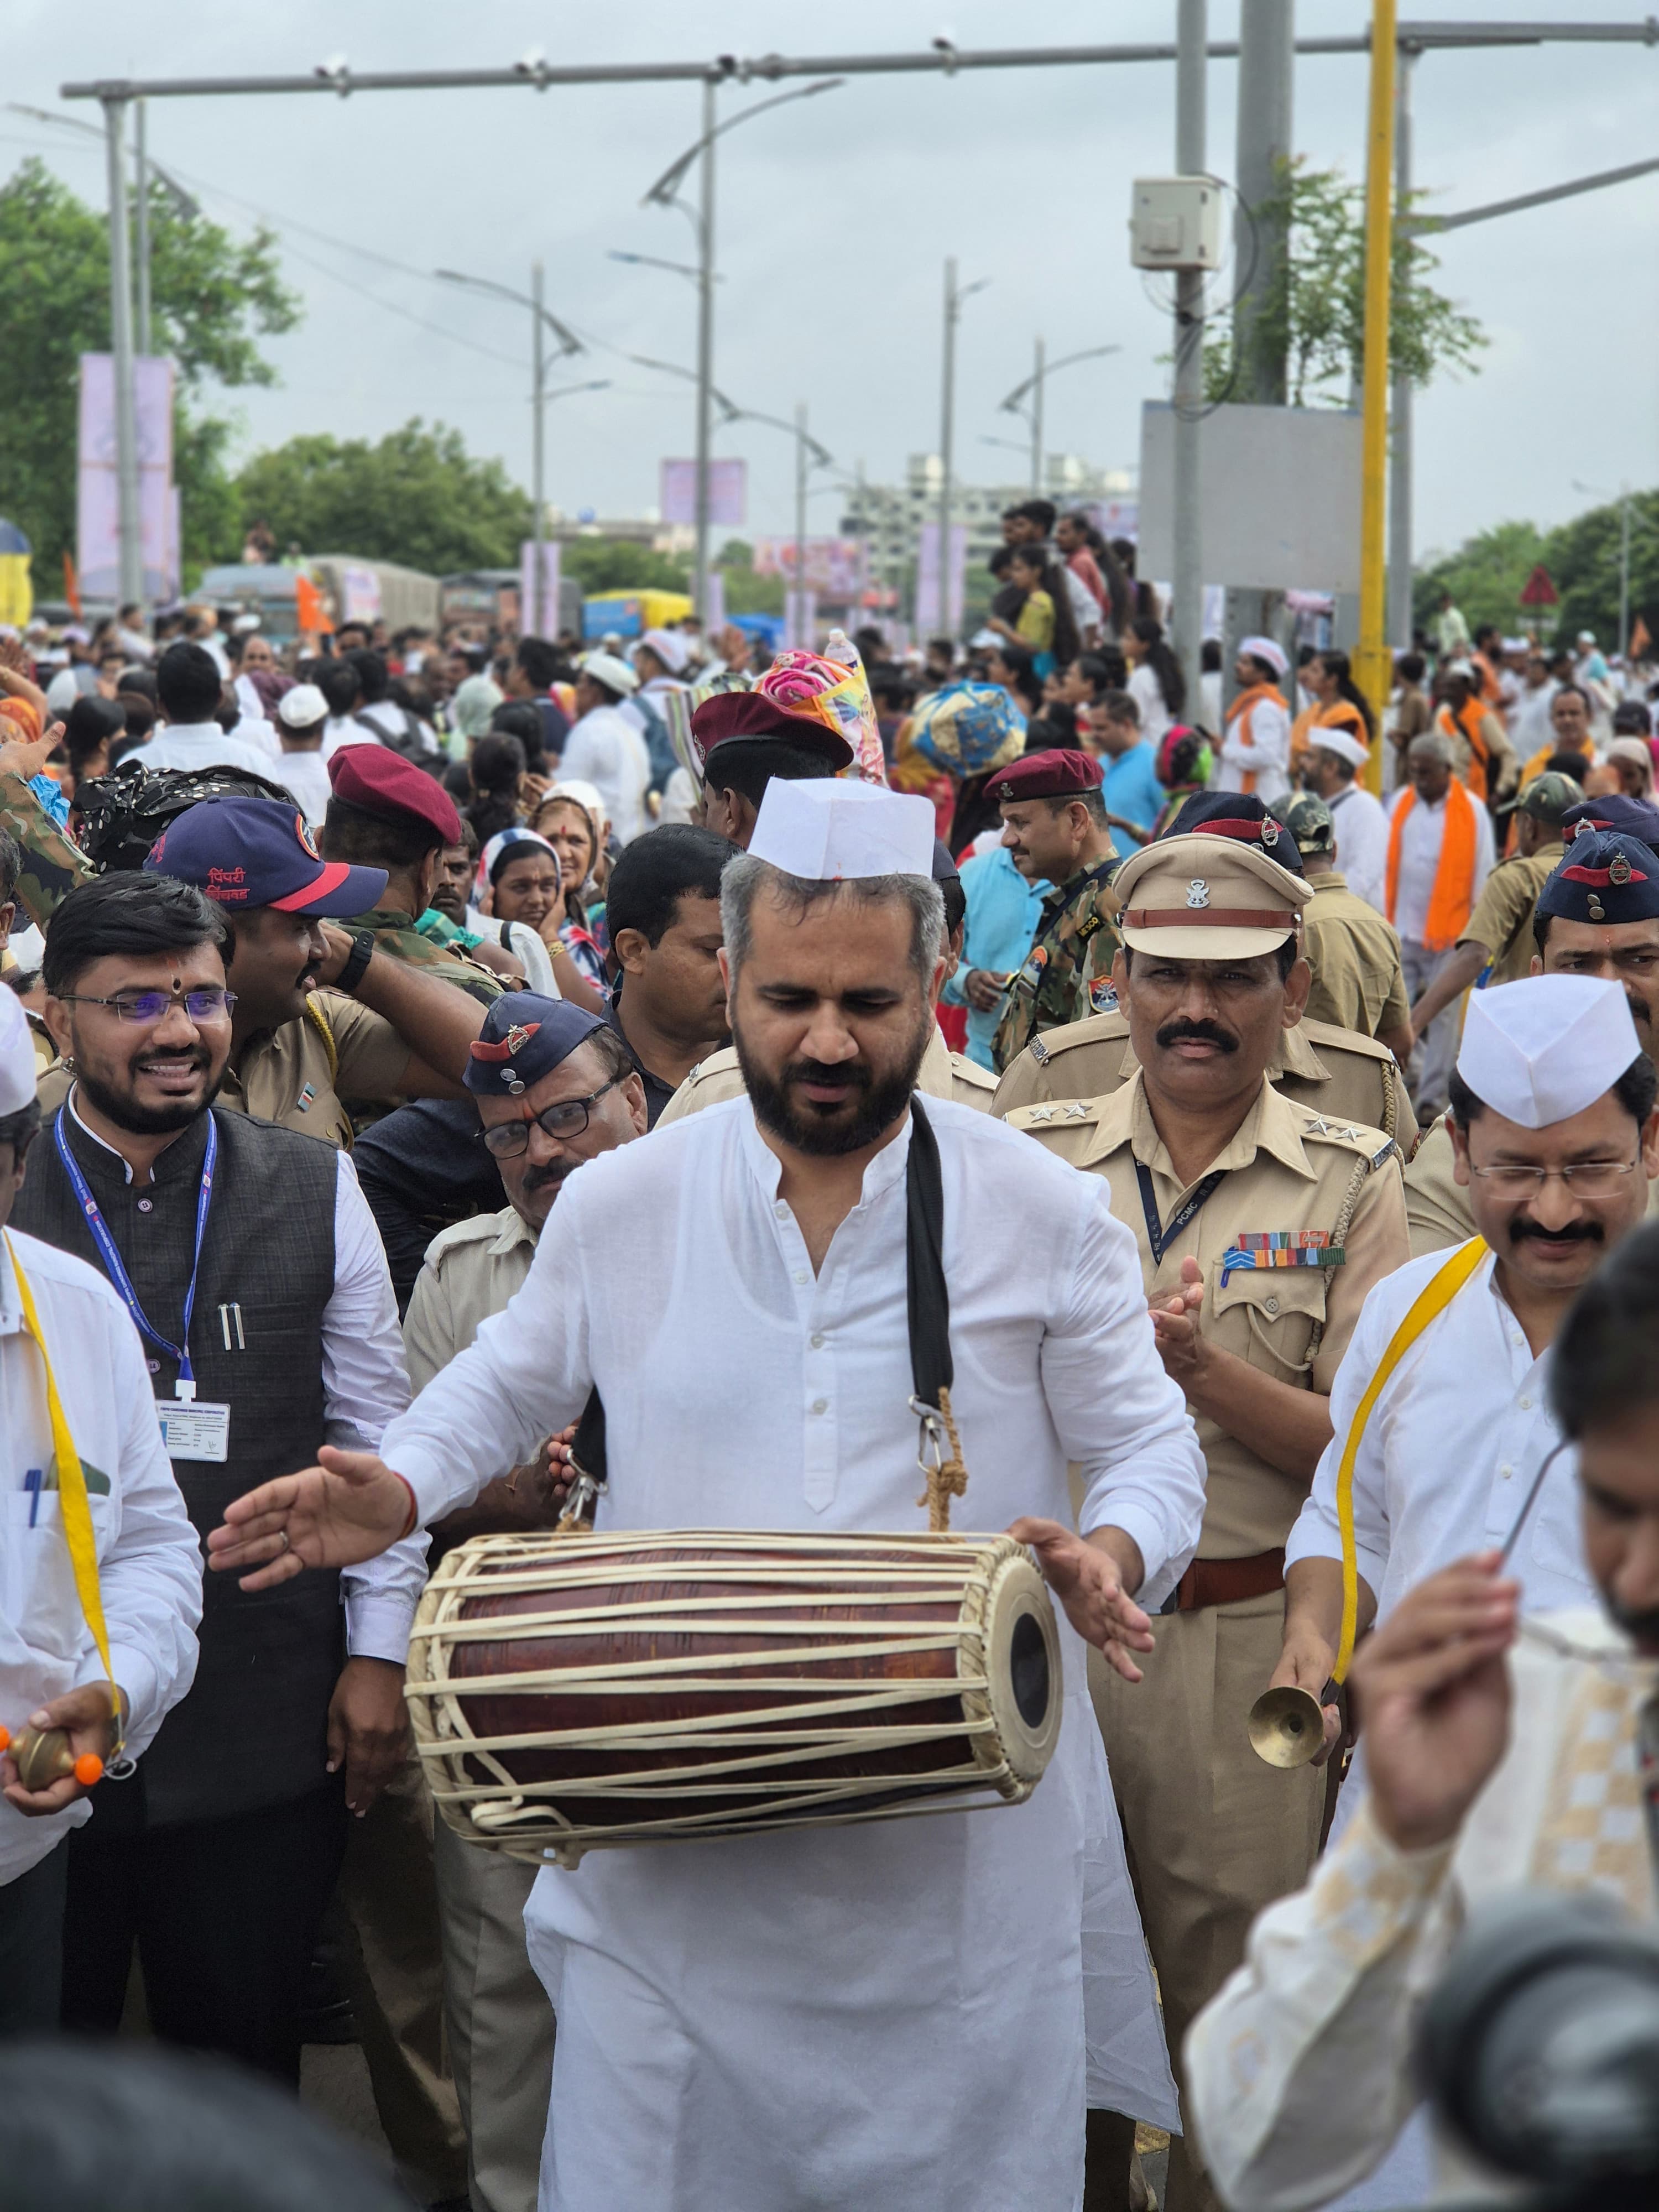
[832, 688]
[969, 728]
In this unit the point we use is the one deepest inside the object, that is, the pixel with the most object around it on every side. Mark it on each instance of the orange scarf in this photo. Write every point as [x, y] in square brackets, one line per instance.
[1454, 725]
[1244, 705]
[1452, 899]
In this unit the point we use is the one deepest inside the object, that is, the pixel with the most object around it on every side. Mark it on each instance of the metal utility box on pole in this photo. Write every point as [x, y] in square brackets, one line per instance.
[1373, 663]
[132, 562]
[1186, 610]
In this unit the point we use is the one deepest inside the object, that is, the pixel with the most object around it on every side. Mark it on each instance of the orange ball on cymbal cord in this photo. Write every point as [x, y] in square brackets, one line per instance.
[43, 1756]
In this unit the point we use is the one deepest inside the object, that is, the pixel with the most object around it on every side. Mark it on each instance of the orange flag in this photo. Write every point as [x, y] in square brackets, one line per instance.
[307, 606]
[1639, 640]
[71, 585]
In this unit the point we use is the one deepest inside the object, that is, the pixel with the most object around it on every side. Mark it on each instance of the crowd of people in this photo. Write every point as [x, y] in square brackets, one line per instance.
[410, 1040]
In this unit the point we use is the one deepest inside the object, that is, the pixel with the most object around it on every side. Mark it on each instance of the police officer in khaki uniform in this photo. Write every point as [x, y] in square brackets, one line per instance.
[1053, 824]
[1261, 1226]
[1341, 1073]
[1353, 950]
[1597, 914]
[1495, 945]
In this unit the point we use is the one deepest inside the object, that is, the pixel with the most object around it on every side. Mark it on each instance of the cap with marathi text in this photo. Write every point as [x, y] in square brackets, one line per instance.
[832, 830]
[1236, 814]
[1060, 772]
[382, 783]
[524, 1037]
[247, 852]
[1632, 817]
[744, 717]
[1542, 1049]
[1602, 878]
[1207, 898]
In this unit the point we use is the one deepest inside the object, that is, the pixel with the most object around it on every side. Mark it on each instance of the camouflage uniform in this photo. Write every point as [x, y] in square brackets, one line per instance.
[396, 935]
[52, 863]
[1067, 972]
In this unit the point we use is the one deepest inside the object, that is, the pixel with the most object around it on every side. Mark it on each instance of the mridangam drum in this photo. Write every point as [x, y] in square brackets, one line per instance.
[573, 1693]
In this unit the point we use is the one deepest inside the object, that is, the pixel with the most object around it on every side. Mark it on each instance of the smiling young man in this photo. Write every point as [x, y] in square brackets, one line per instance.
[1506, 1751]
[1261, 1225]
[890, 2015]
[1556, 1139]
[251, 1267]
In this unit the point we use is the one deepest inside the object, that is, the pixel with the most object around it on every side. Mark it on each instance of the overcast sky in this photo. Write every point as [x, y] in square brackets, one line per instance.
[835, 219]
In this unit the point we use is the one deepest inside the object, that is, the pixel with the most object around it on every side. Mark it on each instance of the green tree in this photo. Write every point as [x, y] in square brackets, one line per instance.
[746, 592]
[1485, 576]
[1314, 312]
[417, 497]
[1487, 573]
[213, 297]
[621, 564]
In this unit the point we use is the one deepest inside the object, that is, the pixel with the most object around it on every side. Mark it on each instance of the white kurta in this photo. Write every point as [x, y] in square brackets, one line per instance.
[1362, 844]
[890, 2016]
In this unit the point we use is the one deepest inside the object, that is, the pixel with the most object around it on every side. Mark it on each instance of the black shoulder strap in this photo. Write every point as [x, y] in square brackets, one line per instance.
[928, 1300]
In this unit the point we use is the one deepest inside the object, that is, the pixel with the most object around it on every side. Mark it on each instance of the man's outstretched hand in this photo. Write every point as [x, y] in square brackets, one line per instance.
[337, 1515]
[1088, 1580]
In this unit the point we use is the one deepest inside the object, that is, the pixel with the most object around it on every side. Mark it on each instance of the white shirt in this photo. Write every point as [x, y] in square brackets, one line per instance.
[1450, 1451]
[605, 750]
[344, 730]
[1531, 729]
[1422, 833]
[1264, 753]
[365, 1386]
[306, 775]
[1299, 2073]
[387, 715]
[1362, 844]
[150, 1564]
[1148, 694]
[888, 2014]
[200, 745]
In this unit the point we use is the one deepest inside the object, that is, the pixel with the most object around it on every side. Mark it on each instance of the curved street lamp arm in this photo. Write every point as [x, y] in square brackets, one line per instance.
[668, 184]
[1010, 405]
[568, 342]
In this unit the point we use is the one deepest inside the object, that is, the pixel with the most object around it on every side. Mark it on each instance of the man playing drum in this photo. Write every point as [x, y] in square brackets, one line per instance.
[889, 2014]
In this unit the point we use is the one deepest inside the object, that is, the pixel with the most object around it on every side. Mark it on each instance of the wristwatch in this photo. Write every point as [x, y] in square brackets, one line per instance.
[362, 950]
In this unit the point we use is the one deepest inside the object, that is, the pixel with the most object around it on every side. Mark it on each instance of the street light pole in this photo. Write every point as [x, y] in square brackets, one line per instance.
[131, 560]
[141, 222]
[800, 637]
[539, 430]
[705, 345]
[953, 299]
[1186, 610]
[1036, 425]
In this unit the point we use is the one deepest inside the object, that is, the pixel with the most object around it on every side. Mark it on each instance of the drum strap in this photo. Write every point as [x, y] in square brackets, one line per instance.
[927, 1305]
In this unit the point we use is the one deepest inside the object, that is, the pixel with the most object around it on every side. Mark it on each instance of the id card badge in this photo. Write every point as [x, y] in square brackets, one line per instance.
[194, 1429]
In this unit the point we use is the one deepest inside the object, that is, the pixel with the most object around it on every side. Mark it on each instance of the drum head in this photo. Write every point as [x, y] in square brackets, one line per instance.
[1021, 1652]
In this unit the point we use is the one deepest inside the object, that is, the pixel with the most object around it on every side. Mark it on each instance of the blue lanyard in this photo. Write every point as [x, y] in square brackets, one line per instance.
[115, 1267]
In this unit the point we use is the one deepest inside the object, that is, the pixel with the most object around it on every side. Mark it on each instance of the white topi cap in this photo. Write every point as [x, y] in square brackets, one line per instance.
[16, 1054]
[828, 831]
[1342, 743]
[1541, 1051]
[302, 707]
[1267, 649]
[616, 675]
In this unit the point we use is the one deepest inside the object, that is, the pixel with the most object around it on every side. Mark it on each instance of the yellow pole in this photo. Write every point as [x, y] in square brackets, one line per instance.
[1373, 664]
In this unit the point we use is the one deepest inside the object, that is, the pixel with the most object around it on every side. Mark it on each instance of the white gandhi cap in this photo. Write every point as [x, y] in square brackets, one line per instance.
[16, 1054]
[1541, 1051]
[829, 831]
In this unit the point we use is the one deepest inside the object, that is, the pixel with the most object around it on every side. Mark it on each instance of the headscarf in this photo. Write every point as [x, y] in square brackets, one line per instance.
[503, 848]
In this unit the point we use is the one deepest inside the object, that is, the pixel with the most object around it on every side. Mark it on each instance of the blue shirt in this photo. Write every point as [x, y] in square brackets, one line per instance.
[1132, 788]
[1002, 922]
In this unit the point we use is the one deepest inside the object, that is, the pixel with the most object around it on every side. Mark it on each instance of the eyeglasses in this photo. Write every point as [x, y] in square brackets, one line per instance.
[1589, 1178]
[506, 1141]
[148, 1006]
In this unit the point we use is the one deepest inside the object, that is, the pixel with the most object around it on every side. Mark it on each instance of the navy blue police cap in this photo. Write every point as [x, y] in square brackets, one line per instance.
[524, 1037]
[1237, 814]
[1631, 817]
[247, 853]
[1603, 877]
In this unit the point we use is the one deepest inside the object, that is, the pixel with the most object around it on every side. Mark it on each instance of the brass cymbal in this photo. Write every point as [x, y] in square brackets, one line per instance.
[1286, 1726]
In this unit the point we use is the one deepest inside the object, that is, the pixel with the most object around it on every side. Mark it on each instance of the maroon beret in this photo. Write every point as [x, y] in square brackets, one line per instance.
[750, 714]
[381, 783]
[1056, 775]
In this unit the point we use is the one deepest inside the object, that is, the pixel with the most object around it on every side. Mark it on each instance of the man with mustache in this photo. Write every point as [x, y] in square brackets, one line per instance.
[1507, 1751]
[1598, 915]
[249, 1264]
[553, 1086]
[1262, 1225]
[1556, 1141]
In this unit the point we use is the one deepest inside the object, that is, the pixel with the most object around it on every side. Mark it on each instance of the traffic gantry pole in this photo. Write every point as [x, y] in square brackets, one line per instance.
[705, 343]
[1186, 610]
[1373, 664]
[131, 555]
